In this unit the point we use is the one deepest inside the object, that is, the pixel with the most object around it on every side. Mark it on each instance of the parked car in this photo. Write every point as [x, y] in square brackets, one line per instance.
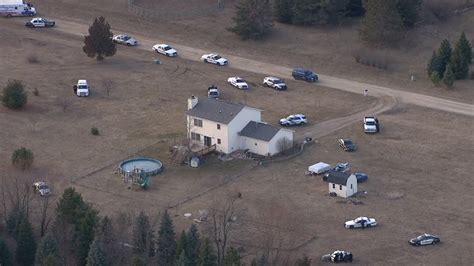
[42, 188]
[165, 49]
[238, 82]
[40, 23]
[293, 120]
[276, 83]
[342, 167]
[213, 92]
[361, 177]
[81, 89]
[347, 144]
[371, 124]
[338, 256]
[425, 239]
[125, 40]
[214, 59]
[360, 222]
[304, 74]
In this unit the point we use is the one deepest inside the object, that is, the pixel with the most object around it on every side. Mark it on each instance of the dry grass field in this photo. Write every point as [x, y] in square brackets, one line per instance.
[418, 165]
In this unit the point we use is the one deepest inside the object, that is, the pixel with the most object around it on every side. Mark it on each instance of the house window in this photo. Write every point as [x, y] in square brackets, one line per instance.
[340, 187]
[351, 186]
[333, 185]
[197, 122]
[195, 136]
[219, 126]
[219, 142]
[255, 143]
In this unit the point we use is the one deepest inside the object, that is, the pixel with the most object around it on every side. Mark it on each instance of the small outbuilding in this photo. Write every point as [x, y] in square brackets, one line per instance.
[343, 184]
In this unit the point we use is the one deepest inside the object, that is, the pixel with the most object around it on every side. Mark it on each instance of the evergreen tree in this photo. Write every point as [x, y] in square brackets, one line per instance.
[252, 19]
[14, 95]
[84, 233]
[434, 65]
[409, 11]
[182, 245]
[459, 64]
[232, 257]
[26, 245]
[166, 241]
[99, 41]
[319, 12]
[137, 261]
[50, 261]
[382, 24]
[283, 10]
[96, 255]
[69, 206]
[207, 256]
[47, 251]
[182, 259]
[355, 8]
[305, 261]
[435, 78]
[5, 255]
[444, 56]
[465, 47]
[448, 77]
[194, 245]
[22, 158]
[143, 238]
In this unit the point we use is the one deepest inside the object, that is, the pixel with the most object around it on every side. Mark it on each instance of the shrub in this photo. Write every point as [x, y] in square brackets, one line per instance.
[371, 58]
[22, 158]
[32, 59]
[472, 75]
[94, 131]
[14, 95]
[36, 92]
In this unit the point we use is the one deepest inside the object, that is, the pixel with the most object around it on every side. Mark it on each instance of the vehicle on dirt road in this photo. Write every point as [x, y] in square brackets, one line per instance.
[274, 82]
[346, 144]
[214, 59]
[165, 49]
[40, 23]
[425, 239]
[125, 40]
[338, 256]
[41, 188]
[16, 8]
[304, 74]
[361, 177]
[371, 124]
[293, 120]
[213, 92]
[360, 222]
[81, 89]
[238, 82]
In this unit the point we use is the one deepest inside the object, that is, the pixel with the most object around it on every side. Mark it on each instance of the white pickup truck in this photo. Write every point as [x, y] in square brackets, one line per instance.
[371, 124]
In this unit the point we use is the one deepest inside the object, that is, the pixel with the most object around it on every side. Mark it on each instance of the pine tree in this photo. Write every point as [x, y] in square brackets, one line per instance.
[137, 261]
[96, 255]
[435, 78]
[84, 233]
[283, 10]
[182, 245]
[382, 24]
[448, 77]
[207, 256]
[182, 259]
[194, 245]
[14, 95]
[459, 64]
[444, 56]
[252, 19]
[143, 238]
[355, 8]
[434, 64]
[166, 241]
[47, 250]
[409, 11]
[5, 255]
[305, 261]
[319, 12]
[26, 245]
[70, 205]
[99, 41]
[466, 48]
[232, 257]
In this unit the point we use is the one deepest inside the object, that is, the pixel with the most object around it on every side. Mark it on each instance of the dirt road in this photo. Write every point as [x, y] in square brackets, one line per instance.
[285, 72]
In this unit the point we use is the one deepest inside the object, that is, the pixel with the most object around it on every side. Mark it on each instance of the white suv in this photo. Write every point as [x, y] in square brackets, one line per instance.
[276, 83]
[41, 188]
[82, 88]
[293, 120]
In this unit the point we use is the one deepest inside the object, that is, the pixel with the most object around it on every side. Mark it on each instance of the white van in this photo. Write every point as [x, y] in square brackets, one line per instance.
[16, 8]
[82, 88]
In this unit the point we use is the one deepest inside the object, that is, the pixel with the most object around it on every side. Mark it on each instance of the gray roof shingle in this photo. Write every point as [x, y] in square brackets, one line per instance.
[260, 131]
[339, 178]
[215, 110]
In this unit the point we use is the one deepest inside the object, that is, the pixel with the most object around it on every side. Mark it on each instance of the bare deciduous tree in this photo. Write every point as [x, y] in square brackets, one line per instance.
[284, 144]
[108, 85]
[45, 216]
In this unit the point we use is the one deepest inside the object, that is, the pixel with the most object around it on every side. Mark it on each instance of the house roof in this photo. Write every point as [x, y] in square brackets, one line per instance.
[339, 178]
[260, 131]
[215, 110]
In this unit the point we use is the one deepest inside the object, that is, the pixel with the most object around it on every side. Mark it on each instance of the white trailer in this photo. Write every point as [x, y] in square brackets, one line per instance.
[16, 8]
[319, 168]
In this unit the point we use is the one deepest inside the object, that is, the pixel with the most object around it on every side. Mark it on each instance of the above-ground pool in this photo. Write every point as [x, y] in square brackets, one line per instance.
[150, 166]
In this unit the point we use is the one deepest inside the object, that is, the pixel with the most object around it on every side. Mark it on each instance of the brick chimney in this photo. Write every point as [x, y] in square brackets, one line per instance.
[192, 102]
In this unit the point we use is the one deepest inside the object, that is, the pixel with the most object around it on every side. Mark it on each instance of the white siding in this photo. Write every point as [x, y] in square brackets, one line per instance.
[254, 145]
[209, 129]
[344, 191]
[246, 115]
[273, 145]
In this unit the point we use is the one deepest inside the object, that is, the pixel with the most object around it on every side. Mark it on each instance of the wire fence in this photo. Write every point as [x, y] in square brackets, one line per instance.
[182, 14]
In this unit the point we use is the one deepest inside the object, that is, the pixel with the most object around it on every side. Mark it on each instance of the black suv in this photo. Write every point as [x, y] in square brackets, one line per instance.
[304, 74]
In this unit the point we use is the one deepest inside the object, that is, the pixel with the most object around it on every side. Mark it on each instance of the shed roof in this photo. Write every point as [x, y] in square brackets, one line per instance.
[260, 131]
[215, 110]
[339, 178]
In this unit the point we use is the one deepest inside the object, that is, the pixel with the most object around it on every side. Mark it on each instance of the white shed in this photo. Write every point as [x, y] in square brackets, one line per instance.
[343, 184]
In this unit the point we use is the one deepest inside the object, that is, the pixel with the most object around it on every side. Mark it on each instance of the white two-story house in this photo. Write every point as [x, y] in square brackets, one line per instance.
[233, 126]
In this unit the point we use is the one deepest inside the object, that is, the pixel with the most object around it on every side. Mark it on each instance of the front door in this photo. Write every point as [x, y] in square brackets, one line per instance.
[207, 141]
